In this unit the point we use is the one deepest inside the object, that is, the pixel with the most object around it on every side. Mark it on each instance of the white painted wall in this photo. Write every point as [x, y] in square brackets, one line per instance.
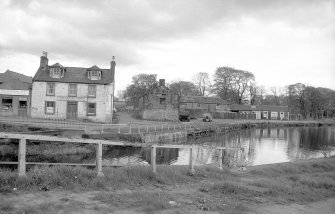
[103, 100]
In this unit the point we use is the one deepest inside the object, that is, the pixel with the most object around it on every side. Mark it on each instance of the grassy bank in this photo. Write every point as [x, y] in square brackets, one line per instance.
[137, 189]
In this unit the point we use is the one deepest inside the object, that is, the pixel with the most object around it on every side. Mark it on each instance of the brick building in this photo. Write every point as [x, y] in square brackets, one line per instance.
[14, 94]
[73, 92]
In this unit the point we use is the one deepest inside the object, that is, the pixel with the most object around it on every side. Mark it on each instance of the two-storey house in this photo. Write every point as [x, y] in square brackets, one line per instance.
[73, 92]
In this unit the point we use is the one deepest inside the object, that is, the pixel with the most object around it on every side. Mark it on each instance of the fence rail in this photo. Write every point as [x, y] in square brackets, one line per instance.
[23, 144]
[90, 126]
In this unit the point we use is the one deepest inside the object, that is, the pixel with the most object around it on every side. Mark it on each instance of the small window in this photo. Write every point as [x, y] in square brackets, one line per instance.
[49, 107]
[91, 109]
[92, 90]
[72, 90]
[51, 89]
[22, 104]
[95, 75]
[7, 104]
[55, 72]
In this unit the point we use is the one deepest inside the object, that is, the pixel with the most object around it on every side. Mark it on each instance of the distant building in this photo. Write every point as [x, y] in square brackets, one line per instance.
[14, 94]
[159, 105]
[73, 92]
[198, 105]
[267, 112]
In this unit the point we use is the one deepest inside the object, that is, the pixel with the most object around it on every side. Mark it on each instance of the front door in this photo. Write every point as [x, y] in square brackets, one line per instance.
[23, 108]
[72, 110]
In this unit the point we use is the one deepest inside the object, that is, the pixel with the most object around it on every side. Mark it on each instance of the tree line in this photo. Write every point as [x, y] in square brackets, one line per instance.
[239, 87]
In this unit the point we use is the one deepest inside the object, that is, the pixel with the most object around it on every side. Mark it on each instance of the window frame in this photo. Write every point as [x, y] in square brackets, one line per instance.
[95, 91]
[10, 108]
[48, 88]
[95, 109]
[46, 105]
[69, 90]
[95, 75]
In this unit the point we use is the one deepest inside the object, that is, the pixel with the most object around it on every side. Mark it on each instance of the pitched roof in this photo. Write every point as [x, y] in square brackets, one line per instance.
[237, 107]
[74, 75]
[9, 75]
[205, 100]
[94, 68]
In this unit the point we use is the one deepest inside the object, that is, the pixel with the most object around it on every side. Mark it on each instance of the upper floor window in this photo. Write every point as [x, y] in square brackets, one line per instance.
[92, 90]
[94, 73]
[57, 71]
[72, 90]
[51, 89]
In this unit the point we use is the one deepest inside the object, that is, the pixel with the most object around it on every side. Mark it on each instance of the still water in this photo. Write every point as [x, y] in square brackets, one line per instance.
[260, 146]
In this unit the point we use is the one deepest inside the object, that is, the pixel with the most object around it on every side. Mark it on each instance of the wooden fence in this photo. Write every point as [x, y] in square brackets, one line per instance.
[24, 137]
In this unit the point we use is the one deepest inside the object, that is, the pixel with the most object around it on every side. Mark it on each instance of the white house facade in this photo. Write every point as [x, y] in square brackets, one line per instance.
[73, 92]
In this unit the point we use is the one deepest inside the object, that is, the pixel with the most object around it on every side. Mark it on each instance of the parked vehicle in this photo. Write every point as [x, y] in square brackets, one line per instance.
[207, 117]
[184, 115]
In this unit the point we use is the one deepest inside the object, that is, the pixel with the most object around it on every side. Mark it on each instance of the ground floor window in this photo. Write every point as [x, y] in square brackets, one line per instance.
[50, 107]
[7, 104]
[91, 109]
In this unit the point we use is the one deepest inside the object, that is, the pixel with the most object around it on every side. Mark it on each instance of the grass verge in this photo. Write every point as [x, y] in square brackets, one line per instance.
[140, 190]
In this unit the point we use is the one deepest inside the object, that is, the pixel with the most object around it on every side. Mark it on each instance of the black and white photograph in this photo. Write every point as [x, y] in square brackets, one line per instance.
[167, 106]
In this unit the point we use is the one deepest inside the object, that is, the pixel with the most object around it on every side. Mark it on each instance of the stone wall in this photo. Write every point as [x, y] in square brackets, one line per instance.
[167, 137]
[160, 114]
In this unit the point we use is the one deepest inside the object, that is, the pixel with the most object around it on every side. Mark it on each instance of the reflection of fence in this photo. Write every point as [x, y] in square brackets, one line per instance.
[90, 126]
[23, 143]
[234, 115]
[191, 160]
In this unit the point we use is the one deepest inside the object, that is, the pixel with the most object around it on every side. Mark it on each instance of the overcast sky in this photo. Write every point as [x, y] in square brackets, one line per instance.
[282, 42]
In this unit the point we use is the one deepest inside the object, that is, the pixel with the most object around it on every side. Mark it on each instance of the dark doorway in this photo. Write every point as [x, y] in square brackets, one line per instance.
[72, 110]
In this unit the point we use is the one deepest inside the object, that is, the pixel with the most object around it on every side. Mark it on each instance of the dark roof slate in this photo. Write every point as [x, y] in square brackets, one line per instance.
[8, 75]
[74, 75]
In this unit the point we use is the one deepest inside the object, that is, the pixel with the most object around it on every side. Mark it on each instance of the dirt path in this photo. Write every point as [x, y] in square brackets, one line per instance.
[182, 199]
[320, 207]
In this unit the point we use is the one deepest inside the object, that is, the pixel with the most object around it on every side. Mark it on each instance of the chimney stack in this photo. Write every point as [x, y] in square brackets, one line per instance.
[44, 60]
[113, 68]
[161, 82]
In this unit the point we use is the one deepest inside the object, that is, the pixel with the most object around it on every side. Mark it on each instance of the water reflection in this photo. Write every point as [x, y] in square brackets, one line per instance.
[260, 146]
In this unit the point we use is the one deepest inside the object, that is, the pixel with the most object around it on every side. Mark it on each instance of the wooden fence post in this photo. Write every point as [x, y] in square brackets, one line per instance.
[191, 160]
[119, 129]
[129, 128]
[22, 157]
[153, 158]
[220, 159]
[99, 160]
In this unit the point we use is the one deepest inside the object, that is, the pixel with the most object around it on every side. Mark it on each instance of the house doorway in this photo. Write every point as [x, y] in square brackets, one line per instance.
[72, 110]
[22, 108]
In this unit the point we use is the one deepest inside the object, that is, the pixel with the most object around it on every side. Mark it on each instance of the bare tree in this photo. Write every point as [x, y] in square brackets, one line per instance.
[232, 84]
[202, 81]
